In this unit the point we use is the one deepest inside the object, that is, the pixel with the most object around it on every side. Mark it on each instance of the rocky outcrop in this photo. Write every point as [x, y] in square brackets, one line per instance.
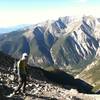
[42, 85]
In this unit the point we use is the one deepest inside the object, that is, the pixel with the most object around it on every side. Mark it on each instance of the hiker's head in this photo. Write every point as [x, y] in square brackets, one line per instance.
[25, 56]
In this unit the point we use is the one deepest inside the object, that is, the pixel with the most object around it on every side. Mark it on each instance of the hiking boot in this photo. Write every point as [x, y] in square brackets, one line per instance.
[11, 95]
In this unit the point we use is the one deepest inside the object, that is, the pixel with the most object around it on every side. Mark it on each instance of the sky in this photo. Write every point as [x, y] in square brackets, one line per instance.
[16, 12]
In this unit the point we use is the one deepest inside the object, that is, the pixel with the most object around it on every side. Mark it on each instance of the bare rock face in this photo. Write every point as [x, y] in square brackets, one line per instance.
[44, 91]
[41, 90]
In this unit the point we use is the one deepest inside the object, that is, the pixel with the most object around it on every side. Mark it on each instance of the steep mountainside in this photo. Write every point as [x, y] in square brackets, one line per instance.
[67, 42]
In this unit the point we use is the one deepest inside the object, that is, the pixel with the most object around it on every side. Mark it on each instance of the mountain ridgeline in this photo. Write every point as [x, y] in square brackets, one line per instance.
[66, 42]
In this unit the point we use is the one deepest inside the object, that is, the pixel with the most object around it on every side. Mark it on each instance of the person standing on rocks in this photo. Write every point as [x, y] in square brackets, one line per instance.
[22, 71]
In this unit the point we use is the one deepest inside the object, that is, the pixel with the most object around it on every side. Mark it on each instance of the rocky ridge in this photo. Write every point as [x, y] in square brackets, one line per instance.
[39, 87]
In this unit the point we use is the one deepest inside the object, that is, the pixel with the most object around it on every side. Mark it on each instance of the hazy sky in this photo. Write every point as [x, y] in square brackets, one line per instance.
[15, 12]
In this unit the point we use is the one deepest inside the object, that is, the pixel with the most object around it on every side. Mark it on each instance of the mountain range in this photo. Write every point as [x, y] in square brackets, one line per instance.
[12, 28]
[67, 43]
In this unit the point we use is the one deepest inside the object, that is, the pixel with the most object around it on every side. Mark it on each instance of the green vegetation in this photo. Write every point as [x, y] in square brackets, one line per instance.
[94, 72]
[56, 47]
[34, 50]
[96, 88]
[92, 75]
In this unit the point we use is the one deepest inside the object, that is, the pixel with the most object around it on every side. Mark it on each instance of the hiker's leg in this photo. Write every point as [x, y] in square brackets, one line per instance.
[19, 86]
[24, 87]
[24, 84]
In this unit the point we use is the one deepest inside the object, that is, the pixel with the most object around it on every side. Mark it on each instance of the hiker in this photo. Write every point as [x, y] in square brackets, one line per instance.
[22, 71]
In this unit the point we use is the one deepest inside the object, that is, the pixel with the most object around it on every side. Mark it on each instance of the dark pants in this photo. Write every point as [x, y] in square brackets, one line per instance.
[22, 84]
